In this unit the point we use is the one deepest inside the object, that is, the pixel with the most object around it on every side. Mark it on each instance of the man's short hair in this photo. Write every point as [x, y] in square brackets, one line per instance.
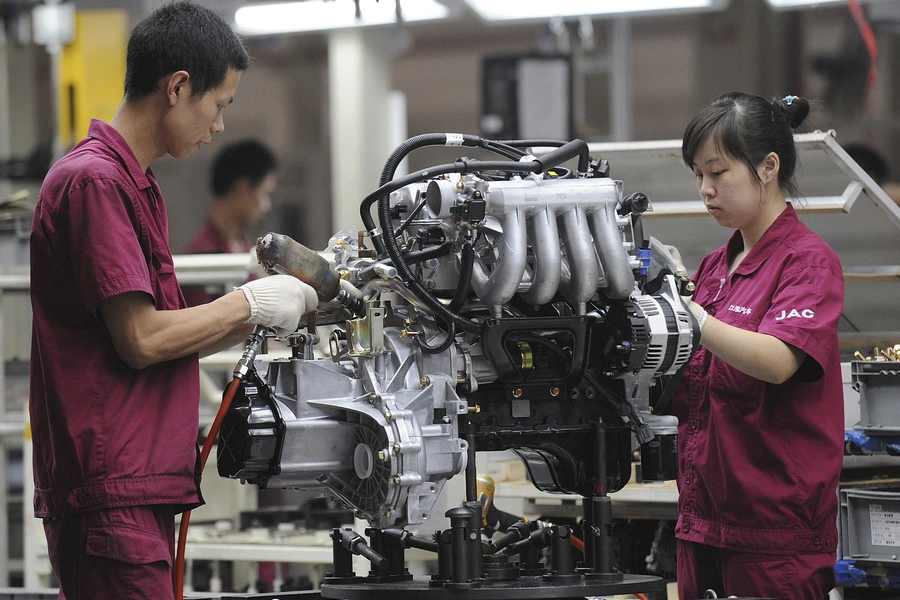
[247, 159]
[182, 36]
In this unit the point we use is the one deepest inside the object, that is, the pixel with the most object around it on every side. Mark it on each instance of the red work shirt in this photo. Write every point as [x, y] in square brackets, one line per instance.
[105, 435]
[210, 240]
[759, 463]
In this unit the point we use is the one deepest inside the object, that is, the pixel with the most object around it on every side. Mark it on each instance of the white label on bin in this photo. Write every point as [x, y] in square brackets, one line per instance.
[885, 525]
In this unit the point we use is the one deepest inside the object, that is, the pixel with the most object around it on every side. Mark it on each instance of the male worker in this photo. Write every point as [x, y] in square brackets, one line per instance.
[243, 179]
[114, 365]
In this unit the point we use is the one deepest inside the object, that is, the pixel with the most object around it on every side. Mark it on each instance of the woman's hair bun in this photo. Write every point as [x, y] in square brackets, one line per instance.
[795, 109]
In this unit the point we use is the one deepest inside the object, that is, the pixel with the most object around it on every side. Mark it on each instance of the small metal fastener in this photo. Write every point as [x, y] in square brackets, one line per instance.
[517, 393]
[424, 381]
[554, 391]
[382, 455]
[396, 480]
[388, 416]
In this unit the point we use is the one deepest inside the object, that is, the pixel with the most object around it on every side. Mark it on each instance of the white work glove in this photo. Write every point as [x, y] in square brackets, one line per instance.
[279, 301]
[698, 311]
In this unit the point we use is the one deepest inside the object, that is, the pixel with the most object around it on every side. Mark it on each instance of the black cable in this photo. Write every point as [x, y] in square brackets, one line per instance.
[382, 196]
[446, 343]
[466, 264]
[412, 215]
[411, 258]
[414, 143]
[621, 406]
[532, 143]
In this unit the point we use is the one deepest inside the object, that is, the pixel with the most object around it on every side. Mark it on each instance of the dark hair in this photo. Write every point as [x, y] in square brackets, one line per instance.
[182, 36]
[247, 159]
[748, 128]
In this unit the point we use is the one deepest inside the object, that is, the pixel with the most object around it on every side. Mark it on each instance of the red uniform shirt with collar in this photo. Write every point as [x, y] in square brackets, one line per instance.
[760, 463]
[105, 435]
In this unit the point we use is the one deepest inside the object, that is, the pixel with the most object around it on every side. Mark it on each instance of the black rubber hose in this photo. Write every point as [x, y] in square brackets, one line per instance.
[466, 264]
[382, 196]
[532, 143]
[412, 215]
[621, 406]
[414, 143]
[568, 150]
[446, 343]
[411, 258]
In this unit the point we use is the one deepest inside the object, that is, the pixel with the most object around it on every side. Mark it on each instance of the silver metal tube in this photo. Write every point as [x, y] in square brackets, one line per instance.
[547, 258]
[498, 287]
[582, 258]
[612, 253]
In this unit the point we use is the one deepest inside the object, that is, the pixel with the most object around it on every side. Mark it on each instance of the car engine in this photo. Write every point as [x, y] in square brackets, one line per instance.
[503, 304]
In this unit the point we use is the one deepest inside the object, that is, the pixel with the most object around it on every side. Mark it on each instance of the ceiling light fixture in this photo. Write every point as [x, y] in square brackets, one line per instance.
[509, 10]
[319, 15]
[785, 4]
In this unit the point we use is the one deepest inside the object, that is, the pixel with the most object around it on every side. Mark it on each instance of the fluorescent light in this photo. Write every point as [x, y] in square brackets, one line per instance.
[780, 4]
[317, 15]
[507, 10]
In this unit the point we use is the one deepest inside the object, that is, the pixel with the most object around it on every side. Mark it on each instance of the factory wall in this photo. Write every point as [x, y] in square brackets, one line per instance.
[677, 64]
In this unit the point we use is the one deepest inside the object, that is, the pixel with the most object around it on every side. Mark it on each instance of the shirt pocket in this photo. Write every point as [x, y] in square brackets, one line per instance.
[741, 391]
[166, 291]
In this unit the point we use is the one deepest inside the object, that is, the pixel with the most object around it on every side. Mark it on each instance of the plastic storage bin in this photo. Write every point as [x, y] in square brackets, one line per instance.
[870, 525]
[878, 384]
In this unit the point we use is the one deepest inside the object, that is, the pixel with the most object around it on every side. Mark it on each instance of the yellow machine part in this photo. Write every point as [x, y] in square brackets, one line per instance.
[92, 72]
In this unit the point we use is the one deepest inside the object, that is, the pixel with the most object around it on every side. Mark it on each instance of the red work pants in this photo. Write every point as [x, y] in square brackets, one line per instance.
[115, 554]
[744, 574]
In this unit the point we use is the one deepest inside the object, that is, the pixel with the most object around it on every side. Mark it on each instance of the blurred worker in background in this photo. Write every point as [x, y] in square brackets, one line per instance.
[873, 163]
[114, 365]
[760, 409]
[243, 179]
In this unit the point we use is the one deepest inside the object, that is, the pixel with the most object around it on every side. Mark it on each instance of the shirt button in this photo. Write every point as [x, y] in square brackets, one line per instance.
[692, 426]
[688, 479]
[686, 527]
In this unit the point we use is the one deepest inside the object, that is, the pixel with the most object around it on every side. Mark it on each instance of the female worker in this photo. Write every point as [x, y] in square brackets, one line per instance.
[760, 408]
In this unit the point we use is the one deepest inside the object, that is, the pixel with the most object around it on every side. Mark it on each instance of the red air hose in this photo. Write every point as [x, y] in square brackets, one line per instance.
[240, 370]
[204, 454]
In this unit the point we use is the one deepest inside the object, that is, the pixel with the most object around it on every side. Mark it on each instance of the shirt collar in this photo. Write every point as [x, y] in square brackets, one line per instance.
[104, 132]
[774, 237]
